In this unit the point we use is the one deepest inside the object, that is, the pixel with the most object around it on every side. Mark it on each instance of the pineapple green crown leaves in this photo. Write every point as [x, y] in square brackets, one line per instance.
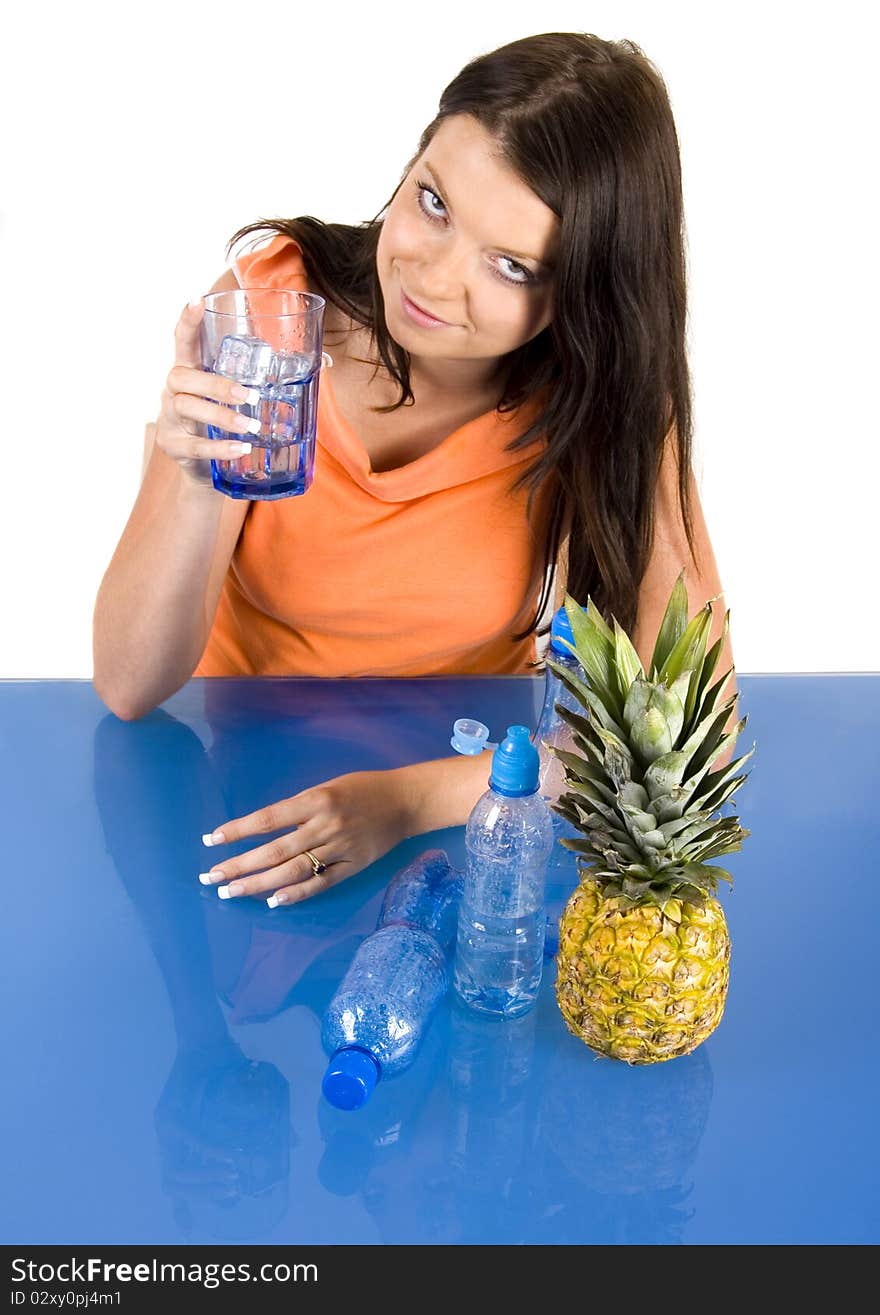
[639, 783]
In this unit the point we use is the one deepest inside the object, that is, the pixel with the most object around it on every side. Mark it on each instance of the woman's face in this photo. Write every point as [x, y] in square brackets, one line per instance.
[472, 245]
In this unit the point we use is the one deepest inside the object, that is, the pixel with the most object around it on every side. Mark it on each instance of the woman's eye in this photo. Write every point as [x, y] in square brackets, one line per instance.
[516, 273]
[425, 192]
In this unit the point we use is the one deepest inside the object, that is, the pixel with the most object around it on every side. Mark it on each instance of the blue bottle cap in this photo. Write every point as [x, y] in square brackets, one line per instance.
[469, 736]
[560, 628]
[350, 1078]
[515, 764]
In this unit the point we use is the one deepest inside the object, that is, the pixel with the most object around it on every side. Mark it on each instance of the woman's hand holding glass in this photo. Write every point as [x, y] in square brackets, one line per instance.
[193, 396]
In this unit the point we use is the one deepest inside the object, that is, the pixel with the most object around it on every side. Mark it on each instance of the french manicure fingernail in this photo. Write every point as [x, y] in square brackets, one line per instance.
[209, 878]
[254, 425]
[274, 900]
[241, 449]
[214, 837]
[252, 397]
[224, 892]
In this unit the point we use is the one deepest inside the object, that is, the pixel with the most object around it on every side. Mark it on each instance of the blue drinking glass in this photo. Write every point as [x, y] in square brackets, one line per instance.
[270, 340]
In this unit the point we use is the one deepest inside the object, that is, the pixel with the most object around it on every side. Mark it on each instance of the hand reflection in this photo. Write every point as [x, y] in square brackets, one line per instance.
[223, 1128]
[222, 1121]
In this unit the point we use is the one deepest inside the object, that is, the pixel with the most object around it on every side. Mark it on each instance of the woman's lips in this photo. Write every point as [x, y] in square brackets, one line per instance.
[419, 316]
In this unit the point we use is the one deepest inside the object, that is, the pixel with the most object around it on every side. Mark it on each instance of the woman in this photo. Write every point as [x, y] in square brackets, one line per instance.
[531, 424]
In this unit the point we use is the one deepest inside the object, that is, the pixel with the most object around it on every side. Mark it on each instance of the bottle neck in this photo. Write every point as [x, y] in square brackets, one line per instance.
[554, 690]
[564, 657]
[512, 794]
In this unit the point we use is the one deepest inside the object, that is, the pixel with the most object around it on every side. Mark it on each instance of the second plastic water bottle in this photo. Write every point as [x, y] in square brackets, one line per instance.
[375, 1022]
[552, 730]
[501, 920]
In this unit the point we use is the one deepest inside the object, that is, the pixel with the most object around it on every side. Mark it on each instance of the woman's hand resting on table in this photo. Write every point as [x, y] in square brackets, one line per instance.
[347, 823]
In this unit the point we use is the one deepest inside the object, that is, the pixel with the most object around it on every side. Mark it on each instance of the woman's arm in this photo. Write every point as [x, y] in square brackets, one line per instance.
[156, 603]
[669, 554]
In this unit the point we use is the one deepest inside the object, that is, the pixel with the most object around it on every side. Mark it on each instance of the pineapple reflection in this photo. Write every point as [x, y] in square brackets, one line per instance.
[222, 1120]
[621, 1144]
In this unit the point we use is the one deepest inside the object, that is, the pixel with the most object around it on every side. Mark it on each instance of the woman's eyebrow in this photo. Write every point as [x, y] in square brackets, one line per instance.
[521, 255]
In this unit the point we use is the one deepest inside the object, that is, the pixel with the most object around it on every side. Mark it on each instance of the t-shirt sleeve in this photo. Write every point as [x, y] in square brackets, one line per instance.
[278, 264]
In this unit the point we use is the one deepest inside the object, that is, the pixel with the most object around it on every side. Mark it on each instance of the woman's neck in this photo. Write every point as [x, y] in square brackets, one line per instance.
[430, 379]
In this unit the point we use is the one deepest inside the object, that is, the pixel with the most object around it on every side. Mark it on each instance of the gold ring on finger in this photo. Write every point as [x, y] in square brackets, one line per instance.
[317, 866]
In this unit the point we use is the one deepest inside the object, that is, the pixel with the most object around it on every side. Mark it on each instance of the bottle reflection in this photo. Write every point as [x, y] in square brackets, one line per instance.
[359, 1145]
[490, 1063]
[394, 1151]
[222, 1120]
[622, 1142]
[441, 1152]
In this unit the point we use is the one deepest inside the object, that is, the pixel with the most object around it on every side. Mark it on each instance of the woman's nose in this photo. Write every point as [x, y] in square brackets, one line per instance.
[444, 272]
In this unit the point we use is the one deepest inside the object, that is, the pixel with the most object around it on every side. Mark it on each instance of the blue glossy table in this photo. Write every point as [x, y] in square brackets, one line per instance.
[162, 1047]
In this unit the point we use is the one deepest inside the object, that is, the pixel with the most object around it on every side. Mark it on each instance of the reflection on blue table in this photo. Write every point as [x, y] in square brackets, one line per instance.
[163, 1046]
[440, 1149]
[222, 1120]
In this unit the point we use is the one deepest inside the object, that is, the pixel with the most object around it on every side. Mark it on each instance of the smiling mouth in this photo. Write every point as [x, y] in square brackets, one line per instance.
[420, 310]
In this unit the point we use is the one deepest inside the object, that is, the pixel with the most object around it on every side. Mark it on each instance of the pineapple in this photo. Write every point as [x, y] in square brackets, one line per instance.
[644, 950]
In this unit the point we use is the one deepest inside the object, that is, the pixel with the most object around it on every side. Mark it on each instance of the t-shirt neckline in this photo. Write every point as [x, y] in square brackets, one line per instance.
[474, 449]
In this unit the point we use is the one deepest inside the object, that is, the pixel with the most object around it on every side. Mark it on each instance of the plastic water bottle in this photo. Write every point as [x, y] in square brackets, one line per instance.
[375, 1022]
[501, 920]
[551, 728]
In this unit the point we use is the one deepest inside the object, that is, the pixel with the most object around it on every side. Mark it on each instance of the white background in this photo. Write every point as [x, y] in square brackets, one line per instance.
[132, 151]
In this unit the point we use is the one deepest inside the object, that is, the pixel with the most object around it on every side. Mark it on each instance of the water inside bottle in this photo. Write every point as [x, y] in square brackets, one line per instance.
[499, 960]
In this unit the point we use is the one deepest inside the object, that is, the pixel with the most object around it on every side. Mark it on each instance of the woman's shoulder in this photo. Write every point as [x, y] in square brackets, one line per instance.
[276, 264]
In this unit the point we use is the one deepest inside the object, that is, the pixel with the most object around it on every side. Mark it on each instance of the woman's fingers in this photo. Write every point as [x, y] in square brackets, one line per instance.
[312, 885]
[272, 857]
[194, 396]
[202, 383]
[290, 874]
[204, 449]
[198, 410]
[292, 812]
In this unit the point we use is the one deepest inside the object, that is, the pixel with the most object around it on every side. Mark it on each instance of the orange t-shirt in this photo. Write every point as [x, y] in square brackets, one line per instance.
[423, 570]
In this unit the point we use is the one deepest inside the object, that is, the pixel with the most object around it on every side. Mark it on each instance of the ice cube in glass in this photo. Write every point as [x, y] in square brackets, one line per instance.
[249, 360]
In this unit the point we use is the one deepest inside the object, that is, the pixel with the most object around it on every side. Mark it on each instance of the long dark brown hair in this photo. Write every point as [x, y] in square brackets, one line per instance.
[587, 125]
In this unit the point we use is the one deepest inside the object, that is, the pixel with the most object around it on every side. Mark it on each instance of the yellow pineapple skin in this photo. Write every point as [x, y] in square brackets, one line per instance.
[640, 983]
